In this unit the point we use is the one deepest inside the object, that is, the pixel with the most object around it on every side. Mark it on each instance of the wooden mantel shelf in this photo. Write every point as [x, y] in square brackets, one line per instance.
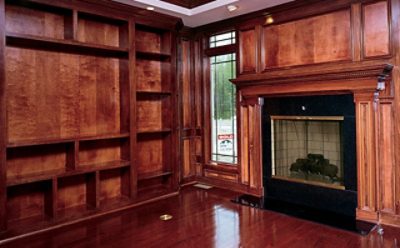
[297, 74]
[364, 77]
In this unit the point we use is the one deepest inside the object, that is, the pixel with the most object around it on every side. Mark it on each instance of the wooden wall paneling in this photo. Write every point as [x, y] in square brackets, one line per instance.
[30, 161]
[148, 40]
[206, 103]
[244, 139]
[356, 29]
[319, 39]
[189, 105]
[110, 186]
[186, 86]
[197, 69]
[37, 22]
[99, 96]
[148, 75]
[387, 163]
[30, 202]
[3, 124]
[248, 50]
[255, 147]
[98, 30]
[98, 153]
[152, 113]
[366, 157]
[44, 76]
[72, 196]
[150, 153]
[187, 158]
[376, 29]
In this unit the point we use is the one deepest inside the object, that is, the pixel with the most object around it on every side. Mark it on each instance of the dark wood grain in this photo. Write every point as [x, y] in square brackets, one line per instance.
[204, 219]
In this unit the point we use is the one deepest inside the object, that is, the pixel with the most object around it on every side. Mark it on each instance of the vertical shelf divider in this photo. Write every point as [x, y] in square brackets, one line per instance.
[51, 199]
[92, 191]
[72, 155]
[173, 162]
[132, 107]
[71, 25]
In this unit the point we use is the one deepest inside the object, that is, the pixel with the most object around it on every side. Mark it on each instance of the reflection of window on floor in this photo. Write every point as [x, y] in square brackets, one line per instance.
[223, 109]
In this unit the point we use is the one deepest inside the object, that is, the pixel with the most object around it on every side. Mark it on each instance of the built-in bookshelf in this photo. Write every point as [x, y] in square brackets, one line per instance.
[90, 115]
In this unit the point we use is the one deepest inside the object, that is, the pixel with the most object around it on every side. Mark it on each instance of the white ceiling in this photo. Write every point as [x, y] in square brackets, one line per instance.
[208, 13]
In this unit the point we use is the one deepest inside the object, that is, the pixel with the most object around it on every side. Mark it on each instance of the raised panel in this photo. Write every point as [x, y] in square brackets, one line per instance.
[186, 92]
[319, 39]
[244, 117]
[386, 158]
[248, 51]
[366, 170]
[186, 158]
[376, 29]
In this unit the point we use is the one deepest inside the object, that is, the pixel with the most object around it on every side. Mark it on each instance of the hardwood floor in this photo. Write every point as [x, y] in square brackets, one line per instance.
[203, 218]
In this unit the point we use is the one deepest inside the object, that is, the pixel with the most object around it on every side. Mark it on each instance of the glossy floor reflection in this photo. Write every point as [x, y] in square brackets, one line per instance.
[204, 218]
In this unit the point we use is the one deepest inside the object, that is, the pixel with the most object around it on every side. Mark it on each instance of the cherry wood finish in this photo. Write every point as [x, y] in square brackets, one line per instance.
[248, 50]
[376, 24]
[156, 119]
[203, 219]
[72, 118]
[319, 39]
[191, 102]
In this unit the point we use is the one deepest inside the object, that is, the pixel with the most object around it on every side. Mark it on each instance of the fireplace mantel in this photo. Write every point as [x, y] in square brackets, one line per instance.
[350, 79]
[373, 97]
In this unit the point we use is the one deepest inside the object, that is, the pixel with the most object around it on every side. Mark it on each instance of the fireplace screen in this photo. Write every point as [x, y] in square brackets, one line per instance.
[307, 149]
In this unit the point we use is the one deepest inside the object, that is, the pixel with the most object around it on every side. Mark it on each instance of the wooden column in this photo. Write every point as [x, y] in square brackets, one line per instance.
[387, 165]
[251, 149]
[366, 156]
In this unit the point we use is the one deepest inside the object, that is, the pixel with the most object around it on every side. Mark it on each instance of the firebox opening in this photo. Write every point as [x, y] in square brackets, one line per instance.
[307, 149]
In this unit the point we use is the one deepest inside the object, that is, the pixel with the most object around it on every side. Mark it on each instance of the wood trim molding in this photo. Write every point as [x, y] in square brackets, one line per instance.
[380, 70]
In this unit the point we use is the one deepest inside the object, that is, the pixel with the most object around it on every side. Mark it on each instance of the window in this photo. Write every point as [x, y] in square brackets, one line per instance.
[222, 39]
[223, 102]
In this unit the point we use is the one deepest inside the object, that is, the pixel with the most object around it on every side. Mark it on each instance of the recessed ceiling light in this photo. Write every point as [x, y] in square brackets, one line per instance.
[150, 8]
[269, 20]
[232, 8]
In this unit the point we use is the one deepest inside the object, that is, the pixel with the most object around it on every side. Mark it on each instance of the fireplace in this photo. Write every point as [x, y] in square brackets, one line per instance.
[307, 149]
[309, 152]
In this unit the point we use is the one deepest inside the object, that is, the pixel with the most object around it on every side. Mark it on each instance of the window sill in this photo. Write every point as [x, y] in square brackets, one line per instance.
[225, 167]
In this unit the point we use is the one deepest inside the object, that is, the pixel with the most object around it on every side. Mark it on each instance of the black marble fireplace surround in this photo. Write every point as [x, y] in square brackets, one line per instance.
[330, 200]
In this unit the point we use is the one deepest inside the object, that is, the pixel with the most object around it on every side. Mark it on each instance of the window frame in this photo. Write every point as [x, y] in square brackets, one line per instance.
[210, 52]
